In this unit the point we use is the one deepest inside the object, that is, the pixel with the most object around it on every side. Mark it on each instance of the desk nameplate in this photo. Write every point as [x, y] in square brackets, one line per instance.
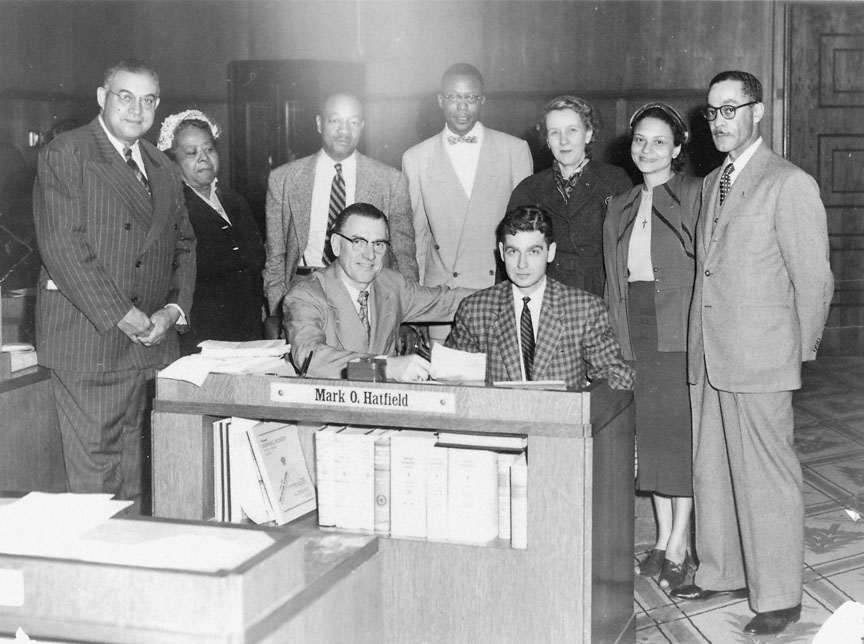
[359, 397]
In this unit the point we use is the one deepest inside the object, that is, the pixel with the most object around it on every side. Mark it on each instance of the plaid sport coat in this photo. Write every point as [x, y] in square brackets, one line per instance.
[574, 343]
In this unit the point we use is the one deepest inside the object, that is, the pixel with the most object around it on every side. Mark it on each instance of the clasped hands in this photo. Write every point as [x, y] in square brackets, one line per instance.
[148, 331]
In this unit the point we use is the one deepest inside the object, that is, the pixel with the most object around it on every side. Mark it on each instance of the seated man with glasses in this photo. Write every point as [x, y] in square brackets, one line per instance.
[353, 307]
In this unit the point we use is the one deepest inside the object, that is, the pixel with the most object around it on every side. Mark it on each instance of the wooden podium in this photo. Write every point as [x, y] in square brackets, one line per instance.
[574, 583]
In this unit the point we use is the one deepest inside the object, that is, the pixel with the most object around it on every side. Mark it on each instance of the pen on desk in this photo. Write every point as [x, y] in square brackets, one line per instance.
[305, 366]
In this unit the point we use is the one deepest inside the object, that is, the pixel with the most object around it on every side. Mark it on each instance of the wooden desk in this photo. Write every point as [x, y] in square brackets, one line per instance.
[574, 583]
[31, 456]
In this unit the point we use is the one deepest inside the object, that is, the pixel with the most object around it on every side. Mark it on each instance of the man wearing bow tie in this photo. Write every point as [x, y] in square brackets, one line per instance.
[460, 181]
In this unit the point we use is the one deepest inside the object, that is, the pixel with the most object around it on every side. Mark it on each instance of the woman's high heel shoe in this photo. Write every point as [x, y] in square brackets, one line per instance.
[674, 574]
[652, 563]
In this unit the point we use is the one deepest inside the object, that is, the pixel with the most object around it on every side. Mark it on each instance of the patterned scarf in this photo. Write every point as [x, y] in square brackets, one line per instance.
[565, 186]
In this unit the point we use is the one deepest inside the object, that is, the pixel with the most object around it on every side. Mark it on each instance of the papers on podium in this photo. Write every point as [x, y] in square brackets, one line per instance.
[255, 356]
[451, 364]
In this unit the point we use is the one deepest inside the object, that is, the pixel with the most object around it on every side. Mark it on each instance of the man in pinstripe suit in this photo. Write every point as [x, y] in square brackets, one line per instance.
[118, 271]
[570, 335]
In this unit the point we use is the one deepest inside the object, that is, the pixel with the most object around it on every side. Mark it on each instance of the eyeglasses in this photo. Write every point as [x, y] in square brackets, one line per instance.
[359, 244]
[127, 99]
[728, 111]
[471, 99]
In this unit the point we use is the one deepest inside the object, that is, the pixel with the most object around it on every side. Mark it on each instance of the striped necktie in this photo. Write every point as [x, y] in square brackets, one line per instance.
[138, 174]
[526, 331]
[337, 205]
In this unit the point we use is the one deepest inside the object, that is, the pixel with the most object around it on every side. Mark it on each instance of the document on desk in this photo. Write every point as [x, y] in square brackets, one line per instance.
[196, 368]
[38, 522]
[451, 364]
[248, 349]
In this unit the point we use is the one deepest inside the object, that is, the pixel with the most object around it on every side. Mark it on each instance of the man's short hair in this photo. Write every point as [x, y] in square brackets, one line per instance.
[362, 210]
[525, 219]
[327, 98]
[590, 116]
[131, 66]
[751, 85]
[462, 69]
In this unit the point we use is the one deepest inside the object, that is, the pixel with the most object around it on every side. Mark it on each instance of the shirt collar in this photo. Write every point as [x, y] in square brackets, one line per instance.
[349, 164]
[119, 145]
[477, 131]
[353, 291]
[536, 296]
[744, 158]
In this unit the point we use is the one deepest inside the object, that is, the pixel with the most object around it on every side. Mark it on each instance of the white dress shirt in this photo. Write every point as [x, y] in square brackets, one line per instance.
[464, 156]
[534, 307]
[325, 170]
[639, 265]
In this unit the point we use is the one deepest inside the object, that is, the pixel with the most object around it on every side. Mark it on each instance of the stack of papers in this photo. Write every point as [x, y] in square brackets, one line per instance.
[255, 356]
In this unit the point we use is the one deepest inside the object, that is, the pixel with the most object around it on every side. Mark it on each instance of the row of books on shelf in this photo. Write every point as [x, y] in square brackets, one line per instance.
[441, 486]
[444, 486]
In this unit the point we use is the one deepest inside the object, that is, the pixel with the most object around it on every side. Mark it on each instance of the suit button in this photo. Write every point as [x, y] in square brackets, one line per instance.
[707, 273]
[656, 269]
[127, 226]
[491, 272]
[135, 300]
[138, 264]
[455, 274]
[437, 247]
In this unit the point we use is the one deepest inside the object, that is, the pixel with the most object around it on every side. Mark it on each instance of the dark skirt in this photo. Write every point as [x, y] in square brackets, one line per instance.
[663, 430]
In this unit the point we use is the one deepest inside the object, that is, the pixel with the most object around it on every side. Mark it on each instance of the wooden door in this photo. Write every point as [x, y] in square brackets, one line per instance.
[272, 106]
[826, 137]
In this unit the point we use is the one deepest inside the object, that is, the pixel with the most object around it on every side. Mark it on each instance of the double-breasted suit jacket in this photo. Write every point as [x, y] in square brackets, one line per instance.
[574, 341]
[289, 207]
[578, 222]
[229, 295]
[675, 209]
[323, 319]
[456, 234]
[763, 282]
[106, 247]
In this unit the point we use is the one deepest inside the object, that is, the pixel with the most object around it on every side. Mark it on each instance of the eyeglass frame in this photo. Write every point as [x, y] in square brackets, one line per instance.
[360, 244]
[127, 99]
[724, 108]
[471, 99]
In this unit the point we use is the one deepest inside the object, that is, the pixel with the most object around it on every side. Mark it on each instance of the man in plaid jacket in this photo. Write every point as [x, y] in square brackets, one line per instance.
[533, 327]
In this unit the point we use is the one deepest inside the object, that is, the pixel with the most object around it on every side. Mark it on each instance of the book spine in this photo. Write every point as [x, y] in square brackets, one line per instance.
[436, 494]
[505, 460]
[519, 503]
[382, 484]
[472, 492]
[325, 446]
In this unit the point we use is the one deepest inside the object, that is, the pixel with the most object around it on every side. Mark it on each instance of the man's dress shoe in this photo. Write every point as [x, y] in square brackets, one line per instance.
[695, 593]
[773, 621]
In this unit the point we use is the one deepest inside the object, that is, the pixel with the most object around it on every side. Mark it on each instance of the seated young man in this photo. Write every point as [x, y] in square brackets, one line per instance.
[533, 327]
[354, 306]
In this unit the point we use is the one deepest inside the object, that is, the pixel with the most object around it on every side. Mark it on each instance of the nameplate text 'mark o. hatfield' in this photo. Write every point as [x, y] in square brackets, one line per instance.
[358, 397]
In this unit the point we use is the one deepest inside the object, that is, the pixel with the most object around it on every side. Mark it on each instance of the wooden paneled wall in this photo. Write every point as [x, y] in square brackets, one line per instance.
[618, 53]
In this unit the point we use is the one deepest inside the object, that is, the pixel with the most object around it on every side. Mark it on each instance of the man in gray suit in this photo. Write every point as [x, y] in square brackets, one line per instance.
[118, 255]
[761, 298]
[301, 204]
[460, 181]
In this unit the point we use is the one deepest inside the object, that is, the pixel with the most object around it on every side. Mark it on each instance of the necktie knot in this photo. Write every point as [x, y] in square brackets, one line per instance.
[363, 300]
[453, 140]
[726, 182]
[526, 333]
[127, 153]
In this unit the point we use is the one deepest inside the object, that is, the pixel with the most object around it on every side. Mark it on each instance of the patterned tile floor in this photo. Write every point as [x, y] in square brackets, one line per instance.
[829, 438]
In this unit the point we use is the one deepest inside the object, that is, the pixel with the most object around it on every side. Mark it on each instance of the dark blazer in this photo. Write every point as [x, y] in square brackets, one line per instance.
[106, 247]
[675, 208]
[763, 280]
[289, 204]
[574, 340]
[577, 224]
[229, 291]
[322, 317]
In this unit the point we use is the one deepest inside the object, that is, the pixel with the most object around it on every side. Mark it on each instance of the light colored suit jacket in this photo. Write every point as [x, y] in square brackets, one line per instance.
[107, 247]
[289, 204]
[322, 317]
[455, 234]
[575, 342]
[763, 281]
